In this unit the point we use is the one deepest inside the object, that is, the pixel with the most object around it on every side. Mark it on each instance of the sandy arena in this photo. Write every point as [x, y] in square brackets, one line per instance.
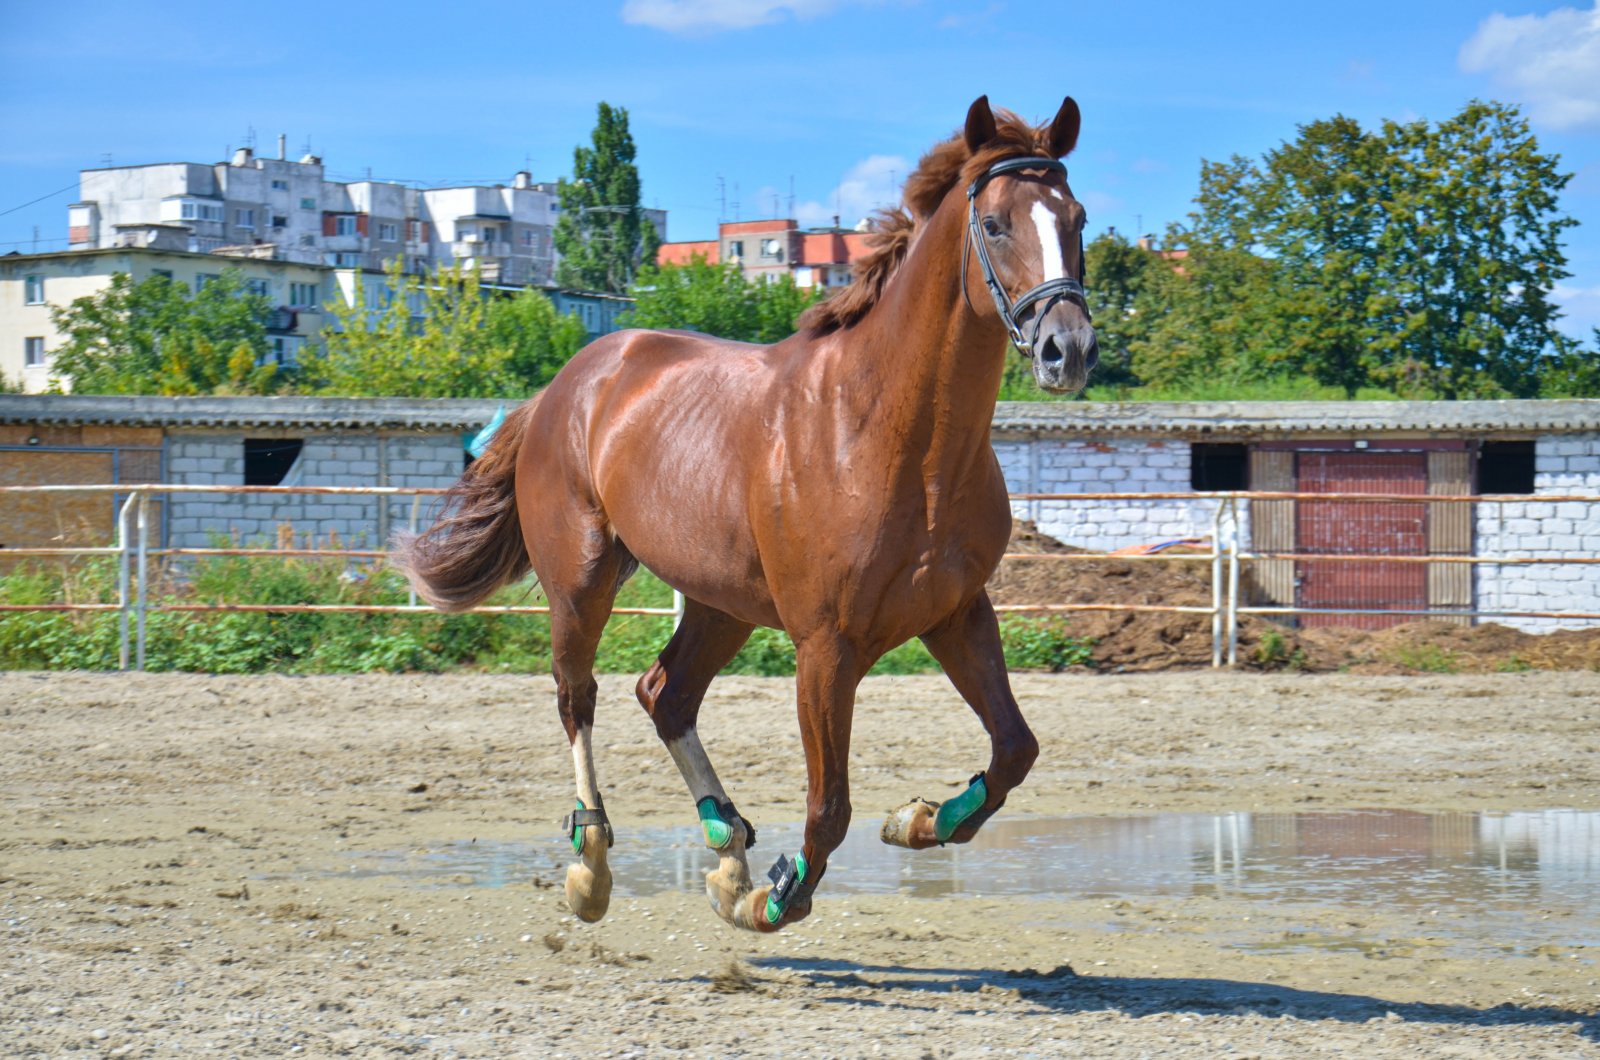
[174, 855]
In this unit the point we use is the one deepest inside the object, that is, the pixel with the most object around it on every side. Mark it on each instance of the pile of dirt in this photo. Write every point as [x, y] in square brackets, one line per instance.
[1133, 641]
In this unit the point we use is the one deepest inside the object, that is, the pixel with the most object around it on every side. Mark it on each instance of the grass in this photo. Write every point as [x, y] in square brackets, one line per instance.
[289, 642]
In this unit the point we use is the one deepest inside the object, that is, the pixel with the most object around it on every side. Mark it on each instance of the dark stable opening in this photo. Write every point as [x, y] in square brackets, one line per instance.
[267, 460]
[1218, 466]
[1505, 467]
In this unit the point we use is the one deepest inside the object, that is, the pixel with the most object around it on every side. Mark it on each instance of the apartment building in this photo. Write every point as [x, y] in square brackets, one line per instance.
[30, 284]
[291, 211]
[814, 257]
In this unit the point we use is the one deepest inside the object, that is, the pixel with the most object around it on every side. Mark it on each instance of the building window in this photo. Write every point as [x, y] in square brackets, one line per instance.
[260, 287]
[279, 221]
[1505, 467]
[389, 233]
[33, 287]
[344, 225]
[414, 231]
[772, 248]
[303, 294]
[190, 210]
[33, 351]
[268, 460]
[285, 351]
[204, 278]
[165, 274]
[280, 185]
[527, 237]
[490, 233]
[736, 248]
[346, 260]
[308, 204]
[244, 218]
[1214, 466]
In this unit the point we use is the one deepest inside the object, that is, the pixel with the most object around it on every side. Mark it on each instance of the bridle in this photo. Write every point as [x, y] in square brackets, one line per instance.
[1049, 292]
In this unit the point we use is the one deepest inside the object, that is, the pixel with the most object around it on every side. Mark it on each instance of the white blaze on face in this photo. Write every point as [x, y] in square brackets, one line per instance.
[1049, 242]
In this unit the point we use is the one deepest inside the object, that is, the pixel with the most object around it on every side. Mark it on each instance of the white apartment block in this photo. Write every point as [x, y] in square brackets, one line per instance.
[290, 211]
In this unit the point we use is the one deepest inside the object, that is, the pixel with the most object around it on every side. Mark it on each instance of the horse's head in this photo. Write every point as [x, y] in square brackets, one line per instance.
[1025, 229]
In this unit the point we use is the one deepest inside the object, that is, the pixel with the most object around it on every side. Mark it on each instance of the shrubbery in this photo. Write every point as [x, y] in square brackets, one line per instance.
[301, 643]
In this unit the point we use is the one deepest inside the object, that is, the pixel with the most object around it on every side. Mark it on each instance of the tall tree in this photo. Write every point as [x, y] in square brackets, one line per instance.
[1117, 272]
[716, 300]
[1419, 257]
[151, 337]
[602, 234]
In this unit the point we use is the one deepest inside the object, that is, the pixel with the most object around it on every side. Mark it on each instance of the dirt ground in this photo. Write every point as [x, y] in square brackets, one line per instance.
[175, 856]
[1144, 642]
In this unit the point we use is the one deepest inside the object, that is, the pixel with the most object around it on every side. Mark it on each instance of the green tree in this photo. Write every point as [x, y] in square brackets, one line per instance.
[1117, 272]
[716, 300]
[602, 234]
[1419, 257]
[443, 337]
[151, 337]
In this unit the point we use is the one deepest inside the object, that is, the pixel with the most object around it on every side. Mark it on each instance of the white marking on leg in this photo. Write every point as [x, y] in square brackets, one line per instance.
[583, 767]
[1049, 242]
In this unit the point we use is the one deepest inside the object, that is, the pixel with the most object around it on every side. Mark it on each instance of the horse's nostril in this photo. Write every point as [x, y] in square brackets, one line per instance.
[1094, 355]
[1049, 351]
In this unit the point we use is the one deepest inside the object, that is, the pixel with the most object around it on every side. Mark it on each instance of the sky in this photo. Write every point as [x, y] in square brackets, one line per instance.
[747, 109]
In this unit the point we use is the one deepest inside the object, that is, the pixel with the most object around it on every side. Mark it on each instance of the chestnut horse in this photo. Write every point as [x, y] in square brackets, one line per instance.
[839, 485]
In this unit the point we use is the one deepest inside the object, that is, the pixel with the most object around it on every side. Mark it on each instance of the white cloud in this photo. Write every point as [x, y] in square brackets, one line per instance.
[871, 184]
[1552, 60]
[1580, 307]
[710, 16]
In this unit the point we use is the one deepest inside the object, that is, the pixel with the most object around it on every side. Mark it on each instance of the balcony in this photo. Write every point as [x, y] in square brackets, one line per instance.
[481, 249]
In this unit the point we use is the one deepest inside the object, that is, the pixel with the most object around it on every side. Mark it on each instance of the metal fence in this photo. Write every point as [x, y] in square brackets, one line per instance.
[1224, 553]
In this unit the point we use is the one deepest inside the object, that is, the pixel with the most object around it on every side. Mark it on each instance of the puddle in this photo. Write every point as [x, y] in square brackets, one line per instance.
[1403, 860]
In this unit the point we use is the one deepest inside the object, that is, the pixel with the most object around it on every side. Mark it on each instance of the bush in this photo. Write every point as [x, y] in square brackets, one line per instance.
[341, 642]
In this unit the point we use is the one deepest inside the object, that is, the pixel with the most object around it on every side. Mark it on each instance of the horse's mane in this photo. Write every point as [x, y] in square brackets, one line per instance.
[944, 166]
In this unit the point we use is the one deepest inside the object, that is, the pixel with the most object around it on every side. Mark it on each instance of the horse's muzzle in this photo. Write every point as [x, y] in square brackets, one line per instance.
[1063, 357]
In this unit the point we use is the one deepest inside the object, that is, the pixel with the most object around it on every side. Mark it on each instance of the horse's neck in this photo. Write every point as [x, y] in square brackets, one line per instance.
[936, 363]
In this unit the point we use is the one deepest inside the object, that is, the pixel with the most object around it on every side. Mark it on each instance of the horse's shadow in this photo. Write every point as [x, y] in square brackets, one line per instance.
[1063, 990]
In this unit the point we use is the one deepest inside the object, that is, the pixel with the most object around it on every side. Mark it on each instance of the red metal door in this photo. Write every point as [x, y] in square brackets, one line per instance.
[1367, 528]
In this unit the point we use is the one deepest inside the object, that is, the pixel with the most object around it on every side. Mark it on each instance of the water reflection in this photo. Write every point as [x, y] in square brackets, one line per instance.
[1400, 858]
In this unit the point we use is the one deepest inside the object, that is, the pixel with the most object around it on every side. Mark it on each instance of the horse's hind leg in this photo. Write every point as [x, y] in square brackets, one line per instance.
[671, 692]
[577, 618]
[968, 647]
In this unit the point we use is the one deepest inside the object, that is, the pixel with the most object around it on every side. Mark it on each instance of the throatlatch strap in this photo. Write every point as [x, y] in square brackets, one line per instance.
[787, 877]
[575, 822]
[954, 811]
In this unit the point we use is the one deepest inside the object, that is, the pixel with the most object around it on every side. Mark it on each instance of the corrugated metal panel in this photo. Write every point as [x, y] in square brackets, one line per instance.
[1332, 527]
[1450, 532]
[1271, 529]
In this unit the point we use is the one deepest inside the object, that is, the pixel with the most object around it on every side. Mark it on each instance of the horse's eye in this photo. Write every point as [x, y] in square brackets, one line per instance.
[991, 226]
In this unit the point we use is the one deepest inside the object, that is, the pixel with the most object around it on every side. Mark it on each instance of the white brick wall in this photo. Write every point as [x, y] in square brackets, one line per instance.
[1053, 465]
[215, 457]
[1568, 464]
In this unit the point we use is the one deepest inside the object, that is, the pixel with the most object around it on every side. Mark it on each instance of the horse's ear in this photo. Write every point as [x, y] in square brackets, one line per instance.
[980, 124]
[1064, 130]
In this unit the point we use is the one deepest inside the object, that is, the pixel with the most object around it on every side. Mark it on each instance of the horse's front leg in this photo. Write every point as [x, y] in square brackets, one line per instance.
[827, 670]
[967, 645]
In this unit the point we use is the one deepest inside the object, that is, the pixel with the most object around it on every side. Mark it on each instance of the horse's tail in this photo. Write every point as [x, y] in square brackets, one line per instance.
[475, 545]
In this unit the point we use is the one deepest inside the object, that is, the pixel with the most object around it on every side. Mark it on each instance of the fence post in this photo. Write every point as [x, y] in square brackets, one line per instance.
[1216, 584]
[1233, 581]
[677, 610]
[144, 577]
[411, 524]
[124, 574]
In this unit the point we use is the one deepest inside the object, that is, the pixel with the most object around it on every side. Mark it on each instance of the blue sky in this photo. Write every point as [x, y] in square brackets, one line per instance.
[834, 99]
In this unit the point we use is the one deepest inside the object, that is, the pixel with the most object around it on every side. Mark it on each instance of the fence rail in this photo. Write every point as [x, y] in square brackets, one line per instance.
[1226, 556]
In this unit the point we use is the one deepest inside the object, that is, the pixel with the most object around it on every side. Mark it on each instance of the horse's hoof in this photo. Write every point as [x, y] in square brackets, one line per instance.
[588, 893]
[911, 825]
[723, 890]
[750, 912]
